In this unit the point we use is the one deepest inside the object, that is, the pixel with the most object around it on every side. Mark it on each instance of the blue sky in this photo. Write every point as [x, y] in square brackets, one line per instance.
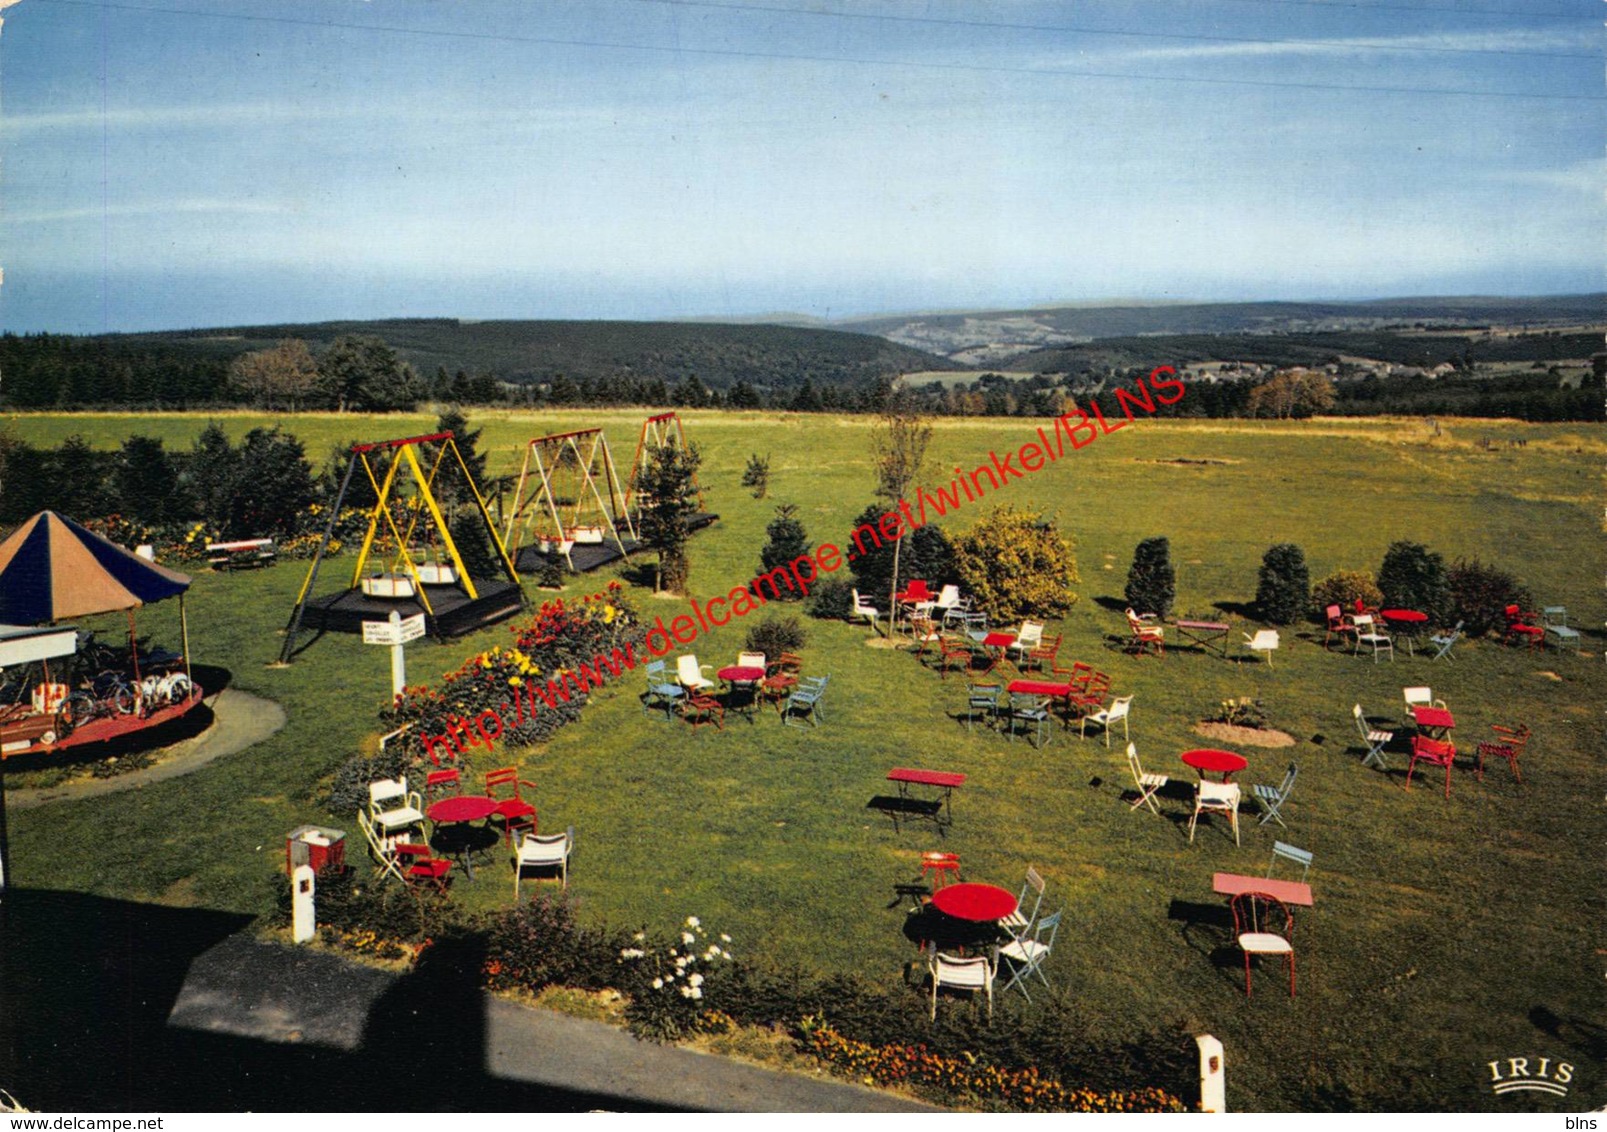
[190, 163]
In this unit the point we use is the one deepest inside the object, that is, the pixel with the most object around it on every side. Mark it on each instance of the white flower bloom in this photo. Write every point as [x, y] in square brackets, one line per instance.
[632, 953]
[640, 937]
[697, 992]
[693, 921]
[724, 938]
[669, 978]
[686, 992]
[696, 980]
[688, 937]
[658, 984]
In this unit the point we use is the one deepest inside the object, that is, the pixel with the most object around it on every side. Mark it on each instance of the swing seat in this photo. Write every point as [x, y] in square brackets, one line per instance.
[584, 536]
[436, 574]
[393, 586]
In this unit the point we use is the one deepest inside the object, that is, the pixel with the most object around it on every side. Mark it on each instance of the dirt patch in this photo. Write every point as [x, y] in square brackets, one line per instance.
[882, 643]
[1186, 461]
[1549, 676]
[1245, 736]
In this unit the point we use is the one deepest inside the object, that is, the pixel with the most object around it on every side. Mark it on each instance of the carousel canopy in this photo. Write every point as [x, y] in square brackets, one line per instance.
[51, 569]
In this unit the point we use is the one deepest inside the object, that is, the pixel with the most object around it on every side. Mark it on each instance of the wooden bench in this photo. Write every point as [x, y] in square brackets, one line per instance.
[244, 554]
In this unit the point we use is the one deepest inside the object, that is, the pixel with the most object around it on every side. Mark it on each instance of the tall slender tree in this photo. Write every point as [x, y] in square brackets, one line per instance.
[899, 442]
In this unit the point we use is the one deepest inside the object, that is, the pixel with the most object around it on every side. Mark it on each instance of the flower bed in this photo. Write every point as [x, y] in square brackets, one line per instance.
[1023, 1089]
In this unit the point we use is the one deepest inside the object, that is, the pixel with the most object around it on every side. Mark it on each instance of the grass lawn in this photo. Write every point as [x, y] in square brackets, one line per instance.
[1446, 933]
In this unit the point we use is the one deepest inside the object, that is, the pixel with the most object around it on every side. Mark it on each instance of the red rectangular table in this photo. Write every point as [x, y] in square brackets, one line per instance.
[1435, 722]
[1289, 891]
[1037, 688]
[944, 780]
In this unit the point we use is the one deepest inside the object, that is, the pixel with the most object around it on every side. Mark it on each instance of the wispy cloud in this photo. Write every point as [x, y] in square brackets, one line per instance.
[164, 118]
[149, 209]
[1560, 40]
[1588, 176]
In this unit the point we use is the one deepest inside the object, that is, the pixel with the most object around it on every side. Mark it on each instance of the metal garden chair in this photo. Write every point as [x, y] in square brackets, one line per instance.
[1017, 922]
[1271, 799]
[661, 691]
[1444, 641]
[1283, 851]
[1555, 624]
[805, 702]
[973, 974]
[1262, 925]
[1146, 782]
[1029, 709]
[1375, 739]
[1027, 955]
[983, 699]
[1509, 746]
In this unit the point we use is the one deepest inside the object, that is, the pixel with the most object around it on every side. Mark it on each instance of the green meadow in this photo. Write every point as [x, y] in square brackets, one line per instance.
[1446, 933]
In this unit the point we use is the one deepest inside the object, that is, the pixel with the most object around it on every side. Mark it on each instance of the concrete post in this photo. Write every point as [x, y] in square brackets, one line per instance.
[303, 919]
[1213, 1075]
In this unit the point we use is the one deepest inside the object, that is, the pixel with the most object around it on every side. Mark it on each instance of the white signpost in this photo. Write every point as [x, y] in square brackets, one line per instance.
[396, 632]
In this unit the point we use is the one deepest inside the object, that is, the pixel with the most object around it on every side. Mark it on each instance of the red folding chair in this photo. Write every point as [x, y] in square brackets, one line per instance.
[1438, 752]
[440, 783]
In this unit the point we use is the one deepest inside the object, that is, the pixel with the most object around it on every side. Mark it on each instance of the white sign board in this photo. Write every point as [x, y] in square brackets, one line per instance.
[396, 631]
[380, 633]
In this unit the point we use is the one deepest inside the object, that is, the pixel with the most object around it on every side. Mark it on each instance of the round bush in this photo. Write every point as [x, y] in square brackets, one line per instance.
[1344, 588]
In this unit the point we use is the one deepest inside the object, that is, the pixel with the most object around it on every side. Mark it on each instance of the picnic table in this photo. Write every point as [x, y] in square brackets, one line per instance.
[1289, 891]
[1209, 760]
[1205, 633]
[1407, 623]
[242, 554]
[1435, 723]
[932, 809]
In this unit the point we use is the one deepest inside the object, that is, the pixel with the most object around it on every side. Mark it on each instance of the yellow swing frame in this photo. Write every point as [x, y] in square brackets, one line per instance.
[406, 456]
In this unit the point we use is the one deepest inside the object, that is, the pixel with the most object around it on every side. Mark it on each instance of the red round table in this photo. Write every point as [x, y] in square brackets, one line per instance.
[740, 674]
[1209, 760]
[460, 810]
[1408, 622]
[465, 807]
[976, 903]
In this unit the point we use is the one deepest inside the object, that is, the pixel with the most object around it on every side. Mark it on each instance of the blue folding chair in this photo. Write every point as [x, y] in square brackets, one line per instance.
[983, 700]
[1445, 641]
[1272, 798]
[1029, 709]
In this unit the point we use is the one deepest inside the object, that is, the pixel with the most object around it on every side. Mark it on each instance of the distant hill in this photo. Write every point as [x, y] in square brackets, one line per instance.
[997, 338]
[768, 356]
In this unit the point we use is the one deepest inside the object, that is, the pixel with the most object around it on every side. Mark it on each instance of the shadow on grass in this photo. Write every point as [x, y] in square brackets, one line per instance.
[89, 985]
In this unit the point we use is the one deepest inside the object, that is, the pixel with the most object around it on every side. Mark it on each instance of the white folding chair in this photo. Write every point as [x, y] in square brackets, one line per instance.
[1419, 697]
[1017, 922]
[1375, 739]
[1147, 783]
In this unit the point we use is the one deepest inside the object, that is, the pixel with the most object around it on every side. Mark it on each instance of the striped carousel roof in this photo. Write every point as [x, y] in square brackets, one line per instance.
[51, 569]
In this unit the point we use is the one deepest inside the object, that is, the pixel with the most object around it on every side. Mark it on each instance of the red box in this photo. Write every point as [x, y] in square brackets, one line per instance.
[317, 847]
